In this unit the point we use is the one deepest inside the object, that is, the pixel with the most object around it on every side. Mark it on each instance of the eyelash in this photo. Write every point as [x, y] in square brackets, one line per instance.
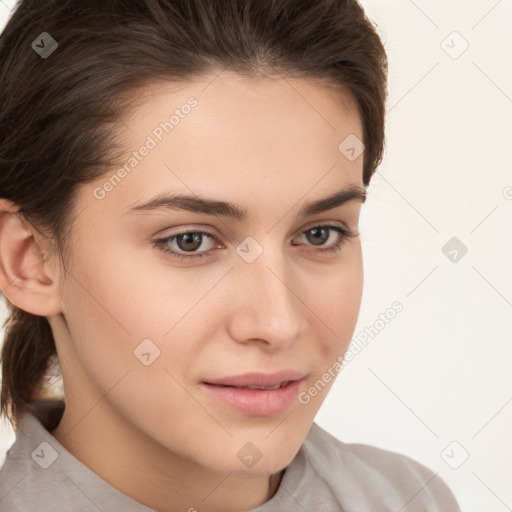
[162, 243]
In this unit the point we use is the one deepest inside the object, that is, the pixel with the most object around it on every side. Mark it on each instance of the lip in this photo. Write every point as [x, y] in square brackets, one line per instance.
[256, 402]
[258, 379]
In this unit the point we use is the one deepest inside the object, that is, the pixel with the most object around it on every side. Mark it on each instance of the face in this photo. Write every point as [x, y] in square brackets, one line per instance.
[152, 314]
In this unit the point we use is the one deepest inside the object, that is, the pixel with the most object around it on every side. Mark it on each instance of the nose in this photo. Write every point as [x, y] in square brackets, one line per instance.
[266, 306]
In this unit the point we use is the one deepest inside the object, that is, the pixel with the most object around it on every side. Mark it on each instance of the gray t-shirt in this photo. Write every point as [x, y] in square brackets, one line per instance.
[326, 475]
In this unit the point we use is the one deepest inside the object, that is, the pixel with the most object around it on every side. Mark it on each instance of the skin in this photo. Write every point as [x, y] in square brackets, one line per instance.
[270, 145]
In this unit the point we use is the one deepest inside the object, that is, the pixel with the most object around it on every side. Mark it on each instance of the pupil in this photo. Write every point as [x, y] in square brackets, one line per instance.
[190, 238]
[320, 235]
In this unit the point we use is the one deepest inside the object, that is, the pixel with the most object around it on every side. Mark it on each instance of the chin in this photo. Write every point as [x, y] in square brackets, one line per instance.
[260, 458]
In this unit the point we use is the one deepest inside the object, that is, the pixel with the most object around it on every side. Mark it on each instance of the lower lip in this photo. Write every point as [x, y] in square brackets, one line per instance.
[256, 402]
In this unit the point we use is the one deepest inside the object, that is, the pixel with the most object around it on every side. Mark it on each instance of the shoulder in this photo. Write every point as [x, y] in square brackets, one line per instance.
[40, 474]
[375, 476]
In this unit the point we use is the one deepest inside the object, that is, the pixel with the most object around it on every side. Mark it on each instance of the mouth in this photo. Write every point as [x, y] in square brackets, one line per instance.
[276, 386]
[259, 379]
[253, 399]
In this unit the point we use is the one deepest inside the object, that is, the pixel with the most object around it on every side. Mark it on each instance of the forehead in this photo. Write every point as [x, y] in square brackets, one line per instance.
[238, 99]
[236, 138]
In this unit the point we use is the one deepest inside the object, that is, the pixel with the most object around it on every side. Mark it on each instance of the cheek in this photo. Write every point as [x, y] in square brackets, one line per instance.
[109, 312]
[115, 303]
[339, 303]
[338, 300]
[117, 329]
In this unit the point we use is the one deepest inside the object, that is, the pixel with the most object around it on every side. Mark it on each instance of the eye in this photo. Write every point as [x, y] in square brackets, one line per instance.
[188, 241]
[319, 235]
[179, 244]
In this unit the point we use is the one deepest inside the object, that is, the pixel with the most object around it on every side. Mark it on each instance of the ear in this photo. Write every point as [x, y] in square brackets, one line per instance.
[27, 278]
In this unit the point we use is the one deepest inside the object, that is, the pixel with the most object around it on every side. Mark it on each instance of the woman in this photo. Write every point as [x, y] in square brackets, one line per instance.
[181, 184]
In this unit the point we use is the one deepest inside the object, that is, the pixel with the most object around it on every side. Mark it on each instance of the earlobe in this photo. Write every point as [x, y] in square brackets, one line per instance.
[25, 276]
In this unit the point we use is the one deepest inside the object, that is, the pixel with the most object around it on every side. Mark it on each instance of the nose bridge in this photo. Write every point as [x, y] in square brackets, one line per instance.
[266, 305]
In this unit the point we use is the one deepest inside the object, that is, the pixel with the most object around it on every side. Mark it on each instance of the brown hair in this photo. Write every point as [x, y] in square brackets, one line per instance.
[58, 114]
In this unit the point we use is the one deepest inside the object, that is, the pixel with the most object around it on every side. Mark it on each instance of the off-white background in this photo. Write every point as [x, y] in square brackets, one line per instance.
[440, 371]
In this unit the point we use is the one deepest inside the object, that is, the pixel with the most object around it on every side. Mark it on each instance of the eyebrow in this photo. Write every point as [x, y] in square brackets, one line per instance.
[196, 204]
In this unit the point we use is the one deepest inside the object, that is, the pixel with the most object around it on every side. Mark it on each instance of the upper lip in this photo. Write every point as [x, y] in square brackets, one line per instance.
[258, 379]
